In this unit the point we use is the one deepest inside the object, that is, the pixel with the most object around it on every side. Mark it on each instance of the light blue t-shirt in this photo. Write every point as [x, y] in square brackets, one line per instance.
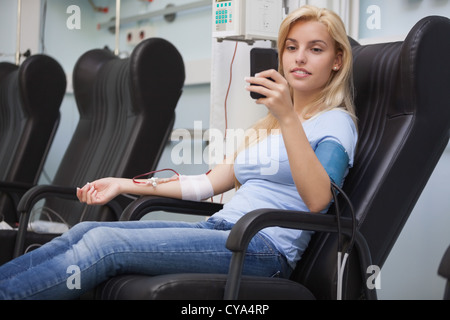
[265, 175]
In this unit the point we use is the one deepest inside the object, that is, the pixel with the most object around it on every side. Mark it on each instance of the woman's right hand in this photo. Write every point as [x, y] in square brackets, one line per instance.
[100, 191]
[276, 91]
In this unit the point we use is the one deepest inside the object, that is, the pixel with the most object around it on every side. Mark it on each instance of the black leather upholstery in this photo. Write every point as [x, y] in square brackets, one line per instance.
[30, 99]
[403, 105]
[207, 287]
[127, 113]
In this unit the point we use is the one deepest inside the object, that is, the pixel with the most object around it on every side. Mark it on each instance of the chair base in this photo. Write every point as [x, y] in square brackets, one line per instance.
[197, 287]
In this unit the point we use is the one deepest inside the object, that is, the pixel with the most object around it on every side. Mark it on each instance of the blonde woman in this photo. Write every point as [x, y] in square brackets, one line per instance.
[309, 102]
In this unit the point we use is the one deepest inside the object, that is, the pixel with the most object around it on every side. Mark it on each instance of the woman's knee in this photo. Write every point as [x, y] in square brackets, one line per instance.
[83, 227]
[76, 233]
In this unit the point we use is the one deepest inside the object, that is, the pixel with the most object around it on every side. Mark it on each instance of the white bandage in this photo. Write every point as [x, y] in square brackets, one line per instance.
[196, 188]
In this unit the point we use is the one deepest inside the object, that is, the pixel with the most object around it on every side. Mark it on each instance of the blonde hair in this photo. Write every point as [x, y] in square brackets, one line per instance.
[338, 93]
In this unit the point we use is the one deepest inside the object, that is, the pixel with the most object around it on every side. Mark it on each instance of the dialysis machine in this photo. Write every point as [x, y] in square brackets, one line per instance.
[246, 20]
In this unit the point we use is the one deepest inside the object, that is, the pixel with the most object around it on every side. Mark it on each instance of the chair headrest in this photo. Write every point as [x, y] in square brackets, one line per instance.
[156, 68]
[6, 68]
[43, 84]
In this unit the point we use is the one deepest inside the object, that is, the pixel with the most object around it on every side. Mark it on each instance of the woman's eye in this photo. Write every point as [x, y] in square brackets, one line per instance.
[290, 48]
[317, 50]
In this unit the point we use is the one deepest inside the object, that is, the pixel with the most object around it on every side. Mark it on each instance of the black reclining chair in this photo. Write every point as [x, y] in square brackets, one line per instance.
[30, 100]
[127, 113]
[403, 105]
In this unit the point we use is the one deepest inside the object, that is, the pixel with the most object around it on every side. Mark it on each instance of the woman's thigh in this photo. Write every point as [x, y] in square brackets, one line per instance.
[171, 247]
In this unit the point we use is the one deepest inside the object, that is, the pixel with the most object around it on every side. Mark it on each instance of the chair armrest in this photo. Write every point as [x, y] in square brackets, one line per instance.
[36, 193]
[15, 187]
[140, 207]
[32, 196]
[15, 190]
[251, 223]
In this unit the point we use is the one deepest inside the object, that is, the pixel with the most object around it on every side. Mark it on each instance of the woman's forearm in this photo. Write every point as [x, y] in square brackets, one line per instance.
[169, 189]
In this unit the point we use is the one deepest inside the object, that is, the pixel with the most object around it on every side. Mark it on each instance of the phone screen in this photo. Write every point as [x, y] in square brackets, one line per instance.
[262, 59]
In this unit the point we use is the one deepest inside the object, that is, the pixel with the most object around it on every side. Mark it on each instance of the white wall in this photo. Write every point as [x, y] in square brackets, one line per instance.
[28, 29]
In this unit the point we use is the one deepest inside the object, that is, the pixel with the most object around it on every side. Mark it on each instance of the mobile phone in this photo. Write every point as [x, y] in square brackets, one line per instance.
[262, 59]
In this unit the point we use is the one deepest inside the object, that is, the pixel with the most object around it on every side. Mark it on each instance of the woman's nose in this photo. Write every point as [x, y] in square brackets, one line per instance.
[301, 57]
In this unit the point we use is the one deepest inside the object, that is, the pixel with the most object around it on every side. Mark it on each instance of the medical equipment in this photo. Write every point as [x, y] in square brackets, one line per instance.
[196, 188]
[246, 20]
[193, 187]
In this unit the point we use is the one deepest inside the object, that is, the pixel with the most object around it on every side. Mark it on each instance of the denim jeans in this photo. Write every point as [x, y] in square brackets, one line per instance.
[92, 252]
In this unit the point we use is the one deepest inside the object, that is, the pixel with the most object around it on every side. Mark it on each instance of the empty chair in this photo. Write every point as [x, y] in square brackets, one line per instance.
[30, 100]
[127, 113]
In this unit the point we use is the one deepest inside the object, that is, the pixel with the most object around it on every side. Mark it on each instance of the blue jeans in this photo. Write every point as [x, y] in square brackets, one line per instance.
[92, 252]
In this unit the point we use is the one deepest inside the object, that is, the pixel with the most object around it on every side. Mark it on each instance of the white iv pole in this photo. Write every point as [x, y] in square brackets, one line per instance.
[116, 51]
[19, 14]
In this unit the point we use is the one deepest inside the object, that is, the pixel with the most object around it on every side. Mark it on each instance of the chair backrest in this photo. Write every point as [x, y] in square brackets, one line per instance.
[403, 105]
[127, 113]
[8, 113]
[30, 99]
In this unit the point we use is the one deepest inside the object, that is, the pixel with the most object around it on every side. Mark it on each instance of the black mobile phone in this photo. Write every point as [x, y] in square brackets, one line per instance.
[262, 59]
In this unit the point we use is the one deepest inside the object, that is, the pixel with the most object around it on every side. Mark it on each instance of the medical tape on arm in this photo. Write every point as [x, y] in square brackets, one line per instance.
[196, 188]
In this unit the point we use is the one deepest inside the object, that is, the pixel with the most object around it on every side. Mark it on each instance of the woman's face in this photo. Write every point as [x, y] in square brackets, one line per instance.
[309, 57]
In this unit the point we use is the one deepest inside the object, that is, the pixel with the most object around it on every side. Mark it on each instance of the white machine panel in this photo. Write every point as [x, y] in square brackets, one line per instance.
[246, 19]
